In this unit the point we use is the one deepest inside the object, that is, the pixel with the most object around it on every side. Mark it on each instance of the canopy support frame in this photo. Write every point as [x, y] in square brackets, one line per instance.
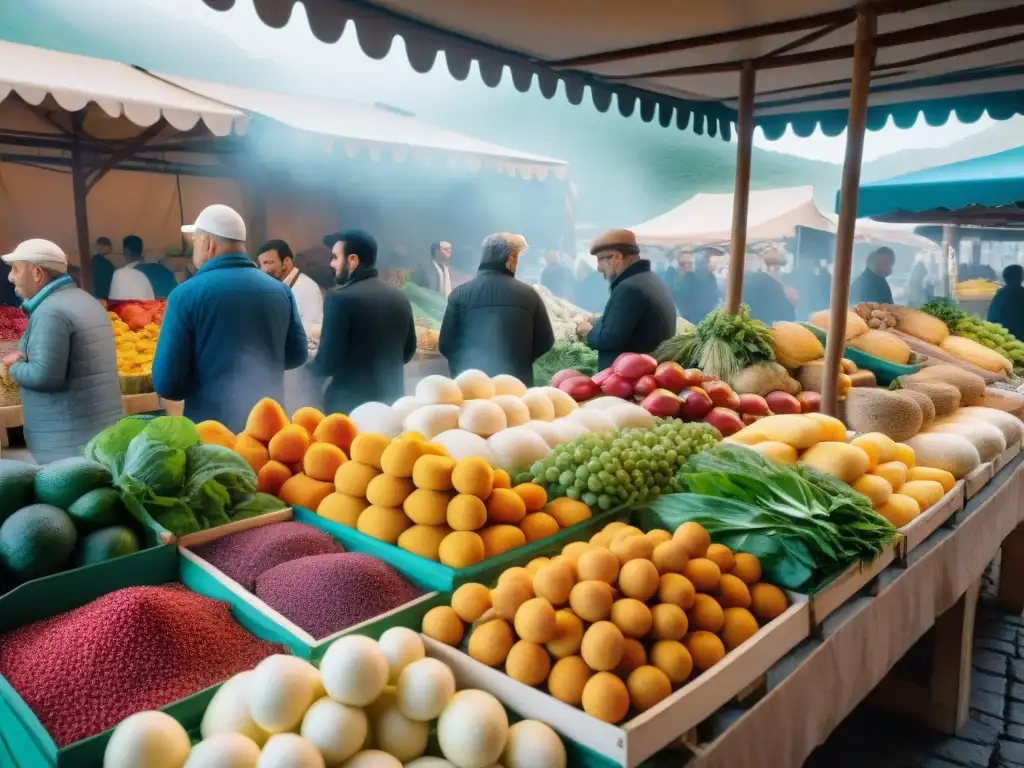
[80, 191]
[741, 193]
[861, 85]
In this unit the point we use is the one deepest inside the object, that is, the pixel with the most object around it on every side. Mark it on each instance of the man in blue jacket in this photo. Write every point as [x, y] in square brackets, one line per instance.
[230, 332]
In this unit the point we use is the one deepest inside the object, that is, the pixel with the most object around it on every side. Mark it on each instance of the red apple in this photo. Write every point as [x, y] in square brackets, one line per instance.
[755, 405]
[630, 365]
[810, 402]
[568, 373]
[600, 377]
[720, 392]
[694, 377]
[783, 402]
[645, 385]
[671, 376]
[579, 388]
[725, 421]
[662, 403]
[617, 386]
[696, 404]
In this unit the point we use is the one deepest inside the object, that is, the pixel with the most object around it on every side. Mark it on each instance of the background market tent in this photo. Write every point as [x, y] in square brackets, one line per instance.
[987, 191]
[772, 214]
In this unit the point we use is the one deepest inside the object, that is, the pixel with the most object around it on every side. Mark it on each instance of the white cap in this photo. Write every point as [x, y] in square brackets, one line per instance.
[218, 220]
[40, 252]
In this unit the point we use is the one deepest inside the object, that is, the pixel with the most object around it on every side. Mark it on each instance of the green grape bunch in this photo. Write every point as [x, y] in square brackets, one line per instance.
[614, 468]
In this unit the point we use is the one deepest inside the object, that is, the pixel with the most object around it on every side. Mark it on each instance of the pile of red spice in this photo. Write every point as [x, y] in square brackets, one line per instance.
[324, 594]
[138, 648]
[243, 556]
[13, 322]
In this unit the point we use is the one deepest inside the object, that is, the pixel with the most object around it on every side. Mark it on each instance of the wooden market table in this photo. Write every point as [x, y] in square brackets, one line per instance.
[11, 416]
[849, 657]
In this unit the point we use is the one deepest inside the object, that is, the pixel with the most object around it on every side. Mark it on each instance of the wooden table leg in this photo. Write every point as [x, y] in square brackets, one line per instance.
[4, 440]
[1010, 596]
[950, 688]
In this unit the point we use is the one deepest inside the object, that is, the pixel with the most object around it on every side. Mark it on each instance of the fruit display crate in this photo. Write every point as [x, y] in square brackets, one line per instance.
[202, 577]
[628, 745]
[885, 371]
[933, 518]
[845, 585]
[440, 576]
[978, 479]
[1005, 458]
[24, 734]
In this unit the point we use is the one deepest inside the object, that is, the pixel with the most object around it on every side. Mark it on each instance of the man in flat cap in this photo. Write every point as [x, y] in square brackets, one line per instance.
[495, 323]
[640, 313]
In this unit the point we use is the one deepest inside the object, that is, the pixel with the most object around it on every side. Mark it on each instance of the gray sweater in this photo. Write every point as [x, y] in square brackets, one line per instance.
[68, 379]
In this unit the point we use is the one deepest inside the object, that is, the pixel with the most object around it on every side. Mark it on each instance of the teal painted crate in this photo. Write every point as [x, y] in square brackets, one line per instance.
[439, 576]
[43, 598]
[255, 615]
[885, 372]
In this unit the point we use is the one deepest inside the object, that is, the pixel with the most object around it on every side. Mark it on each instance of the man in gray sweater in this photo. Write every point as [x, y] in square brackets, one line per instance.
[65, 364]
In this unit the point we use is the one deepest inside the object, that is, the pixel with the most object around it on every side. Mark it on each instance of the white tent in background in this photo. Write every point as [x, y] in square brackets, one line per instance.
[772, 214]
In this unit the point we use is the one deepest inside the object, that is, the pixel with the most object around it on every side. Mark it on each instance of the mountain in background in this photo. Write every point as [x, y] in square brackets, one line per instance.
[627, 171]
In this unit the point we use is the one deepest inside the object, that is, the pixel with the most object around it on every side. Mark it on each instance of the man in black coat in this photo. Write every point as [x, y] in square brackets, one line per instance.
[640, 313]
[1007, 307]
[435, 275]
[871, 285]
[495, 323]
[368, 333]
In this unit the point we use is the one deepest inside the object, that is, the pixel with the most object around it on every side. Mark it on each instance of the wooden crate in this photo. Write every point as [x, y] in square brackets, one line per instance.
[1006, 457]
[929, 521]
[978, 479]
[11, 417]
[629, 744]
[850, 582]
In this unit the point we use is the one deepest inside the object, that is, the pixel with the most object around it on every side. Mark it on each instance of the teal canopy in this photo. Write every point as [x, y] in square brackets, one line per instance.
[982, 188]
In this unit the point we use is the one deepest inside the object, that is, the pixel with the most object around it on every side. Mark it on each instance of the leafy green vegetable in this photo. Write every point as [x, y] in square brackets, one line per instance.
[836, 525]
[255, 504]
[174, 431]
[721, 345]
[110, 446]
[566, 354]
[153, 465]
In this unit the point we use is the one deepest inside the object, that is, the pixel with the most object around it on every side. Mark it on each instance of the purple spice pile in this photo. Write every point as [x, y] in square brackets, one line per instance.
[324, 594]
[244, 556]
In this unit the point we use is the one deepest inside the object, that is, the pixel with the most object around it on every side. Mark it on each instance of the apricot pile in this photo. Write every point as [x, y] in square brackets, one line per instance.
[615, 624]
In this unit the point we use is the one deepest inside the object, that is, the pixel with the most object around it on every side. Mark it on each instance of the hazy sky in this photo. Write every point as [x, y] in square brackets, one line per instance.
[393, 80]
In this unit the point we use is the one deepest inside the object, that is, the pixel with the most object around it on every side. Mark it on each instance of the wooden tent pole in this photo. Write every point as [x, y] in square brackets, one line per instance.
[80, 191]
[864, 56]
[741, 191]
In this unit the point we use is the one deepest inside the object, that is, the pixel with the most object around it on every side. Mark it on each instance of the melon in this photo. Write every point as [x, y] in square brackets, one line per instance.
[288, 750]
[225, 750]
[944, 450]
[147, 740]
[986, 438]
[473, 729]
[281, 689]
[354, 670]
[228, 711]
[336, 730]
[424, 689]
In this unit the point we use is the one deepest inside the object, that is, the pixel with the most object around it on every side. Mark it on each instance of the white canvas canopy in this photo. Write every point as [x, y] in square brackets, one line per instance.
[773, 214]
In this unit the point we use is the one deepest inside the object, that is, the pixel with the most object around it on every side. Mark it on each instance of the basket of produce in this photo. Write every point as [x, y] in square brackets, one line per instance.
[135, 383]
[879, 351]
[10, 393]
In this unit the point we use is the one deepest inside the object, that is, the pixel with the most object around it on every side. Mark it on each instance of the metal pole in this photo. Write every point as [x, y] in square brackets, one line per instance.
[863, 60]
[79, 190]
[741, 192]
[944, 260]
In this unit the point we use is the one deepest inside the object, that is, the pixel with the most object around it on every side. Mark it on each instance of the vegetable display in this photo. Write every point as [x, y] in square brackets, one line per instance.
[804, 525]
[286, 712]
[65, 514]
[565, 316]
[165, 473]
[607, 470]
[565, 355]
[721, 344]
[992, 336]
[614, 625]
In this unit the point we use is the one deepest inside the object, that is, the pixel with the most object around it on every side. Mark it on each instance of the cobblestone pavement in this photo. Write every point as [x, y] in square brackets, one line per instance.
[993, 736]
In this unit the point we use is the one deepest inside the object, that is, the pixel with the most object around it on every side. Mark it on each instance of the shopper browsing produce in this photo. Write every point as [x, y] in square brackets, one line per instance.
[277, 260]
[640, 313]
[65, 364]
[495, 323]
[368, 333]
[230, 332]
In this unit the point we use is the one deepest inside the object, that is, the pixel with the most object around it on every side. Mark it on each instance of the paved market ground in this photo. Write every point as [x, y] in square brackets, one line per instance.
[994, 734]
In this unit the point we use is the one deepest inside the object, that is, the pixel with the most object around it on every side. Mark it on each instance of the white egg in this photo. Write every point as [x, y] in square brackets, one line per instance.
[224, 750]
[373, 758]
[338, 731]
[429, 762]
[504, 384]
[377, 417]
[475, 385]
[287, 750]
[424, 689]
[228, 711]
[402, 647]
[533, 744]
[403, 406]
[397, 735]
[147, 740]
[354, 670]
[281, 689]
[472, 729]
